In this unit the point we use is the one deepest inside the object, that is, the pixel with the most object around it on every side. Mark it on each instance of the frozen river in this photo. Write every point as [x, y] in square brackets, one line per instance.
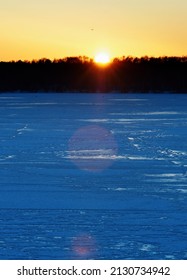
[93, 176]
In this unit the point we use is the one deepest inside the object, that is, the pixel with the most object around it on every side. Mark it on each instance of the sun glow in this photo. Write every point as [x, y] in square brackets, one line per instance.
[102, 58]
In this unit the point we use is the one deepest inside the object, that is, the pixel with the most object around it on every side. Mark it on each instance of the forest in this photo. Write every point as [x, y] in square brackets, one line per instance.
[82, 74]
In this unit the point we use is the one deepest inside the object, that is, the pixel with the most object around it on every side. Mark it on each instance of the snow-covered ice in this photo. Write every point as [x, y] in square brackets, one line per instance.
[93, 176]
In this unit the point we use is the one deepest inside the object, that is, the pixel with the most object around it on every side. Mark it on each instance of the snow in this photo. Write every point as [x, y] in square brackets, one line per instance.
[93, 176]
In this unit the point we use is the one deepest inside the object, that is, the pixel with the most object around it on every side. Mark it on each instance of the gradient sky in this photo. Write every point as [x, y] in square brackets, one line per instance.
[33, 29]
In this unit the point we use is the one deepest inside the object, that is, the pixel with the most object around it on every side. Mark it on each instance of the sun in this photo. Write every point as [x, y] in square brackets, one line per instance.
[102, 58]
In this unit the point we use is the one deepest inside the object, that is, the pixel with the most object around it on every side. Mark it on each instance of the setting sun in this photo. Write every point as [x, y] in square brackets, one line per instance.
[102, 58]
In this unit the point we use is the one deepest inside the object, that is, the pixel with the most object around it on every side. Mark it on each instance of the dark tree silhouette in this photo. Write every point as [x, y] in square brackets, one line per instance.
[81, 74]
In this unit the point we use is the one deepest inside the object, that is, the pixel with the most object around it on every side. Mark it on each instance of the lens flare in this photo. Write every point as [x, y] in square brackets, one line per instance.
[92, 148]
[83, 246]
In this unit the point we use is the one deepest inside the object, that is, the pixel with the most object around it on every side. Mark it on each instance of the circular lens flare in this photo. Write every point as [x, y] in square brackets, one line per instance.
[83, 246]
[92, 148]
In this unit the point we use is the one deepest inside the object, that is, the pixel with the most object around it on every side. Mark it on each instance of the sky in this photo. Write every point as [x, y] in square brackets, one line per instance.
[59, 28]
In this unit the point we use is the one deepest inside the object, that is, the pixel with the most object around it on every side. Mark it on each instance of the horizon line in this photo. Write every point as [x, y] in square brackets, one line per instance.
[91, 59]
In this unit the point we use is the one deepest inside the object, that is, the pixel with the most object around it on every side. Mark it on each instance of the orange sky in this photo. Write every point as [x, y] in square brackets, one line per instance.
[59, 28]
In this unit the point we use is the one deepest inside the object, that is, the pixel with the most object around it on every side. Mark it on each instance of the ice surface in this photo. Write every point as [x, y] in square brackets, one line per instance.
[93, 176]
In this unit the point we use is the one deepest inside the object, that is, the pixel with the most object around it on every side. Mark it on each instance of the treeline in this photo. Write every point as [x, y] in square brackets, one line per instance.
[81, 74]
